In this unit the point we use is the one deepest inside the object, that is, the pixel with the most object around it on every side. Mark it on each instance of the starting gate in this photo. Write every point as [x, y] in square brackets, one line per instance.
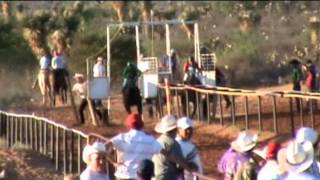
[207, 64]
[150, 76]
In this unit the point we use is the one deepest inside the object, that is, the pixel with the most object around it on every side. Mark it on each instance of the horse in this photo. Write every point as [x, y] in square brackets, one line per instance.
[190, 95]
[58, 84]
[131, 96]
[44, 85]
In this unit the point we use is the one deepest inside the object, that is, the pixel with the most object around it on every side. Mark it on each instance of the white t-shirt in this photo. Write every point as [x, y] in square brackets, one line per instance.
[80, 89]
[270, 171]
[190, 154]
[134, 146]
[99, 70]
[87, 174]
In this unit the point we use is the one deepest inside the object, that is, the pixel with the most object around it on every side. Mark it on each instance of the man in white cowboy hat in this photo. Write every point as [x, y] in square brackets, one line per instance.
[99, 69]
[80, 88]
[297, 159]
[165, 167]
[238, 156]
[95, 157]
[189, 150]
[309, 134]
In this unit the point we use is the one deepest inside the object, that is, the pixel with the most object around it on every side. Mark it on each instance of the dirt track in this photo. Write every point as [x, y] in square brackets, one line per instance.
[212, 140]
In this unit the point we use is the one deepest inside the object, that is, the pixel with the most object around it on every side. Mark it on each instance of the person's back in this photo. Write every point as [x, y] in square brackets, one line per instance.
[164, 168]
[134, 146]
[44, 62]
[58, 62]
[296, 78]
[88, 174]
[300, 176]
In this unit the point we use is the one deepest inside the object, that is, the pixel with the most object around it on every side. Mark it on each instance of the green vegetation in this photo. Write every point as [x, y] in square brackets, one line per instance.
[253, 40]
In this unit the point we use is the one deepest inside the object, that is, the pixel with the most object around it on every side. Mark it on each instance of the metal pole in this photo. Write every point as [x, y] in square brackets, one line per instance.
[311, 113]
[198, 105]
[64, 151]
[301, 112]
[45, 142]
[57, 148]
[221, 109]
[137, 43]
[259, 114]
[208, 108]
[52, 142]
[108, 70]
[274, 110]
[291, 117]
[247, 112]
[233, 109]
[71, 152]
[168, 96]
[168, 42]
[79, 154]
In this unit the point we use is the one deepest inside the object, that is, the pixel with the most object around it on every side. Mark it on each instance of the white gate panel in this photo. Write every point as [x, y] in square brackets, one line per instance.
[149, 88]
[99, 88]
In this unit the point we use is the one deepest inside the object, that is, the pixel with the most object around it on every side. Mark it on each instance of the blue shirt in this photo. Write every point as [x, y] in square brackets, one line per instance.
[58, 62]
[44, 62]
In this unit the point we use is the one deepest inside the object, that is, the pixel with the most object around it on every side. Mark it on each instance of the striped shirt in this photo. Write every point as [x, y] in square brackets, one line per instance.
[134, 146]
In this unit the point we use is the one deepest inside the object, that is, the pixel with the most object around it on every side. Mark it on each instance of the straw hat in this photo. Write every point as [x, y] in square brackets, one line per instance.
[244, 142]
[166, 124]
[184, 123]
[307, 134]
[296, 157]
[96, 147]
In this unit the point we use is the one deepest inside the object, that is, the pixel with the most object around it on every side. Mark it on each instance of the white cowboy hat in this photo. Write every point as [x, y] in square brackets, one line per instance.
[167, 123]
[78, 75]
[184, 123]
[96, 147]
[307, 134]
[244, 142]
[296, 157]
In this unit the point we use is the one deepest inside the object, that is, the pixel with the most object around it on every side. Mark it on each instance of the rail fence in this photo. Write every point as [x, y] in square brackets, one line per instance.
[265, 113]
[61, 144]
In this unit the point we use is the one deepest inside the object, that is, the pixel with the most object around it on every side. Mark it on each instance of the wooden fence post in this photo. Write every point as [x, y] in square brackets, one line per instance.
[167, 95]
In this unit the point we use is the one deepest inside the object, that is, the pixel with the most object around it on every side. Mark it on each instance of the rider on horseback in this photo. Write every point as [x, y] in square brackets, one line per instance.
[130, 74]
[191, 71]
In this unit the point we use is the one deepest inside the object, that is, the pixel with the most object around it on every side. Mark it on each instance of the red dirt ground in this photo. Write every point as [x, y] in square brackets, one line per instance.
[211, 139]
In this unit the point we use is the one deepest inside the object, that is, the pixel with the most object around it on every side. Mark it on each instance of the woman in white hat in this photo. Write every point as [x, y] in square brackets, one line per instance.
[239, 155]
[95, 157]
[165, 166]
[297, 159]
[189, 150]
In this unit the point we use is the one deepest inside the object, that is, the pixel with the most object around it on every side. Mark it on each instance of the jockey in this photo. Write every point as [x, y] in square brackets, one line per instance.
[58, 64]
[191, 69]
[44, 67]
[130, 74]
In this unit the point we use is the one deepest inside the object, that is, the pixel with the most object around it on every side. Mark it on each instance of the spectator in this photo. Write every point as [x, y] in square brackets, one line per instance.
[95, 157]
[308, 134]
[297, 76]
[297, 159]
[99, 69]
[270, 170]
[135, 146]
[165, 168]
[237, 161]
[80, 88]
[189, 150]
[71, 177]
[145, 170]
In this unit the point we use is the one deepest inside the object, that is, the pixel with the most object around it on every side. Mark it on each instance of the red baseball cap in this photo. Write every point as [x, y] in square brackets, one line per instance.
[134, 121]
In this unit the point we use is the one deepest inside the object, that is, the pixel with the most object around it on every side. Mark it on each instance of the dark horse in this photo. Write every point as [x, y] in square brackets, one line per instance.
[131, 96]
[58, 81]
[190, 96]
